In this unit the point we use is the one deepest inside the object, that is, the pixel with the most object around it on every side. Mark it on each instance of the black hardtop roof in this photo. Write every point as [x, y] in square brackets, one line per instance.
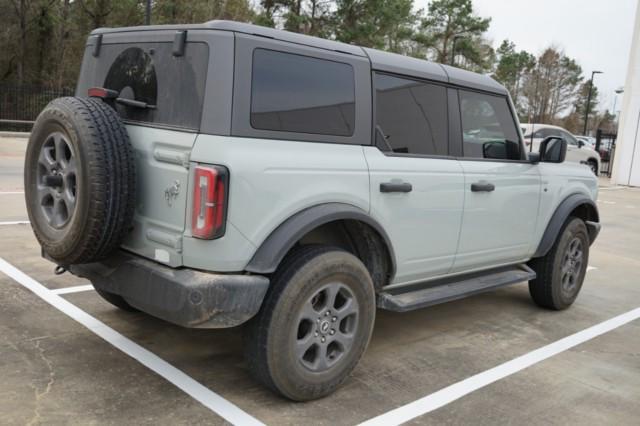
[380, 60]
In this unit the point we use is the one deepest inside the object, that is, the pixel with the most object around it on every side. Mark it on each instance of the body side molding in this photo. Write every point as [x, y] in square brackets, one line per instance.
[282, 239]
[559, 217]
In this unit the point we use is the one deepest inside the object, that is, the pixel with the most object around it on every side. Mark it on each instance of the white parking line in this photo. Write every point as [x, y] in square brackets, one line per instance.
[75, 289]
[458, 390]
[11, 192]
[591, 268]
[15, 222]
[606, 202]
[197, 391]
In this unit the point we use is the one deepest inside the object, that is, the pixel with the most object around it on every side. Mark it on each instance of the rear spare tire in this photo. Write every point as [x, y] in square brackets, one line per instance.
[79, 179]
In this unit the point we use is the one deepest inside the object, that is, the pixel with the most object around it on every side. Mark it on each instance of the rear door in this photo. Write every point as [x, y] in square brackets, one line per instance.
[162, 133]
[416, 185]
[501, 189]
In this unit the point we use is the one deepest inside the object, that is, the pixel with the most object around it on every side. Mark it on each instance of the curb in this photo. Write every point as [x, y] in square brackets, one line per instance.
[14, 134]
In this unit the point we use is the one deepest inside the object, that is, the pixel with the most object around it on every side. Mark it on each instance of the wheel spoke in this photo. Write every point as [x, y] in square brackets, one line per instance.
[44, 192]
[332, 292]
[350, 307]
[60, 149]
[69, 200]
[70, 166]
[308, 312]
[345, 339]
[46, 159]
[303, 345]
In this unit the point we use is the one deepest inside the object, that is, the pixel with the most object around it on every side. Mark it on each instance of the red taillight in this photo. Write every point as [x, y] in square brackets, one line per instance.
[100, 92]
[209, 202]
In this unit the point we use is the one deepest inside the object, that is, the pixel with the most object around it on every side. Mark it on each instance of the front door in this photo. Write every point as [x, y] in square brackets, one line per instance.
[501, 189]
[416, 188]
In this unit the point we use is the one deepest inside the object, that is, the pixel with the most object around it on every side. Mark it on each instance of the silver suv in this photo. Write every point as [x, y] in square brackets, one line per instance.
[219, 174]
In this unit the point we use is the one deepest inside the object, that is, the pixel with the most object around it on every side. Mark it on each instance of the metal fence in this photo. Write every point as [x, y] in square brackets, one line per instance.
[21, 104]
[606, 147]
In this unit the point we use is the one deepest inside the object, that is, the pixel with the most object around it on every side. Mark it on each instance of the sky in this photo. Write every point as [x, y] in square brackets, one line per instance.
[596, 33]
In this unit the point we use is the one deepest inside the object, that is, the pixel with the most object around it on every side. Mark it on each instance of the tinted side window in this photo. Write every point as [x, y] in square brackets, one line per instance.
[295, 93]
[488, 128]
[411, 116]
[149, 73]
[569, 138]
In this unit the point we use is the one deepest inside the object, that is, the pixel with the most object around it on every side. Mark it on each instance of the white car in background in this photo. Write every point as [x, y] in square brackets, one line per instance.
[589, 141]
[577, 151]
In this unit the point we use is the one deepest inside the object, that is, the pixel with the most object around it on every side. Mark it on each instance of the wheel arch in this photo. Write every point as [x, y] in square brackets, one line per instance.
[368, 238]
[575, 205]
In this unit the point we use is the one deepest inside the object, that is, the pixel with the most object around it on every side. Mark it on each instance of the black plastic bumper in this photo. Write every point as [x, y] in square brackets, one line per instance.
[182, 296]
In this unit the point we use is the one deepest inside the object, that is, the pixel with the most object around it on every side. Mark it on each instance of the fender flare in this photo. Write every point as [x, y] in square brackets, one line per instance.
[560, 216]
[272, 250]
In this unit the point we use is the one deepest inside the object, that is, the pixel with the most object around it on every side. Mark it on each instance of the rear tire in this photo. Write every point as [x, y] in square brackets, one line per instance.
[314, 324]
[560, 273]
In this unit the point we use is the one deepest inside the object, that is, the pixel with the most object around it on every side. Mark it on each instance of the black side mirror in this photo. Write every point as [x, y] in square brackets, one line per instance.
[580, 144]
[553, 149]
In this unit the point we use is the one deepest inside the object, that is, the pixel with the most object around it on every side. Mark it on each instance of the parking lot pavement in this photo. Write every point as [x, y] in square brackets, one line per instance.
[55, 370]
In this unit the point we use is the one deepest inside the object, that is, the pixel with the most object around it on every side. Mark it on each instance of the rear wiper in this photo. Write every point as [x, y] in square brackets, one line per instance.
[112, 95]
[134, 103]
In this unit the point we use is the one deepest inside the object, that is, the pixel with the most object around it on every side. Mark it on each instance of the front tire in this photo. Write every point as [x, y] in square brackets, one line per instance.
[561, 271]
[314, 325]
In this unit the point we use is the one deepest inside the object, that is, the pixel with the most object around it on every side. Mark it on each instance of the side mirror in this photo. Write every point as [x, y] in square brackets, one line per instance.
[553, 149]
[580, 144]
[534, 157]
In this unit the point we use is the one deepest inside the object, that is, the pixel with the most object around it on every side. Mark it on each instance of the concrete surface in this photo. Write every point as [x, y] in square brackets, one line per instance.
[54, 371]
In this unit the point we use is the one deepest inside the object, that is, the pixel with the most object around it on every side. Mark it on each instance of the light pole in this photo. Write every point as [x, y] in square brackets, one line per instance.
[147, 13]
[586, 113]
[615, 101]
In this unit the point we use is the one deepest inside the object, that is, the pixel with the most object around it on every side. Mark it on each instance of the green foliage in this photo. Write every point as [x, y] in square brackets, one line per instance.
[512, 67]
[381, 24]
[451, 29]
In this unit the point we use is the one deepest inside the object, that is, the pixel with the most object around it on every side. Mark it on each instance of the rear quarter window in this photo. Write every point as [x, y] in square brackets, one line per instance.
[303, 94]
[148, 72]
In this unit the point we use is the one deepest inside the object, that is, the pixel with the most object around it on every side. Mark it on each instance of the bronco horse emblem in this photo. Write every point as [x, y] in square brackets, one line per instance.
[172, 192]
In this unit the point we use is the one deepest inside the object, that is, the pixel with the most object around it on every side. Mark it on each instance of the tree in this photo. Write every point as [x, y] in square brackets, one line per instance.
[551, 87]
[450, 22]
[381, 24]
[511, 68]
[300, 16]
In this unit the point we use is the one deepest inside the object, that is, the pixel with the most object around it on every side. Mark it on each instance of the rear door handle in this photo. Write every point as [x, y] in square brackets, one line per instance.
[482, 186]
[395, 187]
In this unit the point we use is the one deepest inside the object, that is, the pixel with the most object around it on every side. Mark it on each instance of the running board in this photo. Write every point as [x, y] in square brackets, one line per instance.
[420, 295]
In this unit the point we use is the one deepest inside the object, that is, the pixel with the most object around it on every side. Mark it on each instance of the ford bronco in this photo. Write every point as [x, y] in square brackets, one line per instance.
[222, 174]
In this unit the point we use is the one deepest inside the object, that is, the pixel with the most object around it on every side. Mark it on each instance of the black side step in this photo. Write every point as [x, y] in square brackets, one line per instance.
[426, 294]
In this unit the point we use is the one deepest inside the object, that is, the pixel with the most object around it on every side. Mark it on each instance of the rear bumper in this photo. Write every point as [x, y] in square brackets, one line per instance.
[182, 296]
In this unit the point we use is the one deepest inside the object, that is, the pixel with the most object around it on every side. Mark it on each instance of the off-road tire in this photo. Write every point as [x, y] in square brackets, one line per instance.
[547, 289]
[116, 300]
[104, 181]
[269, 348]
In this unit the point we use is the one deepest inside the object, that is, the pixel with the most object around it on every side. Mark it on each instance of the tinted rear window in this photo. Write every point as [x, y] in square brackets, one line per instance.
[148, 72]
[295, 93]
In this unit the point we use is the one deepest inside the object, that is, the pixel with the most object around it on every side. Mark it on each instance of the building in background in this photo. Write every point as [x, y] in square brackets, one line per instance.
[626, 167]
